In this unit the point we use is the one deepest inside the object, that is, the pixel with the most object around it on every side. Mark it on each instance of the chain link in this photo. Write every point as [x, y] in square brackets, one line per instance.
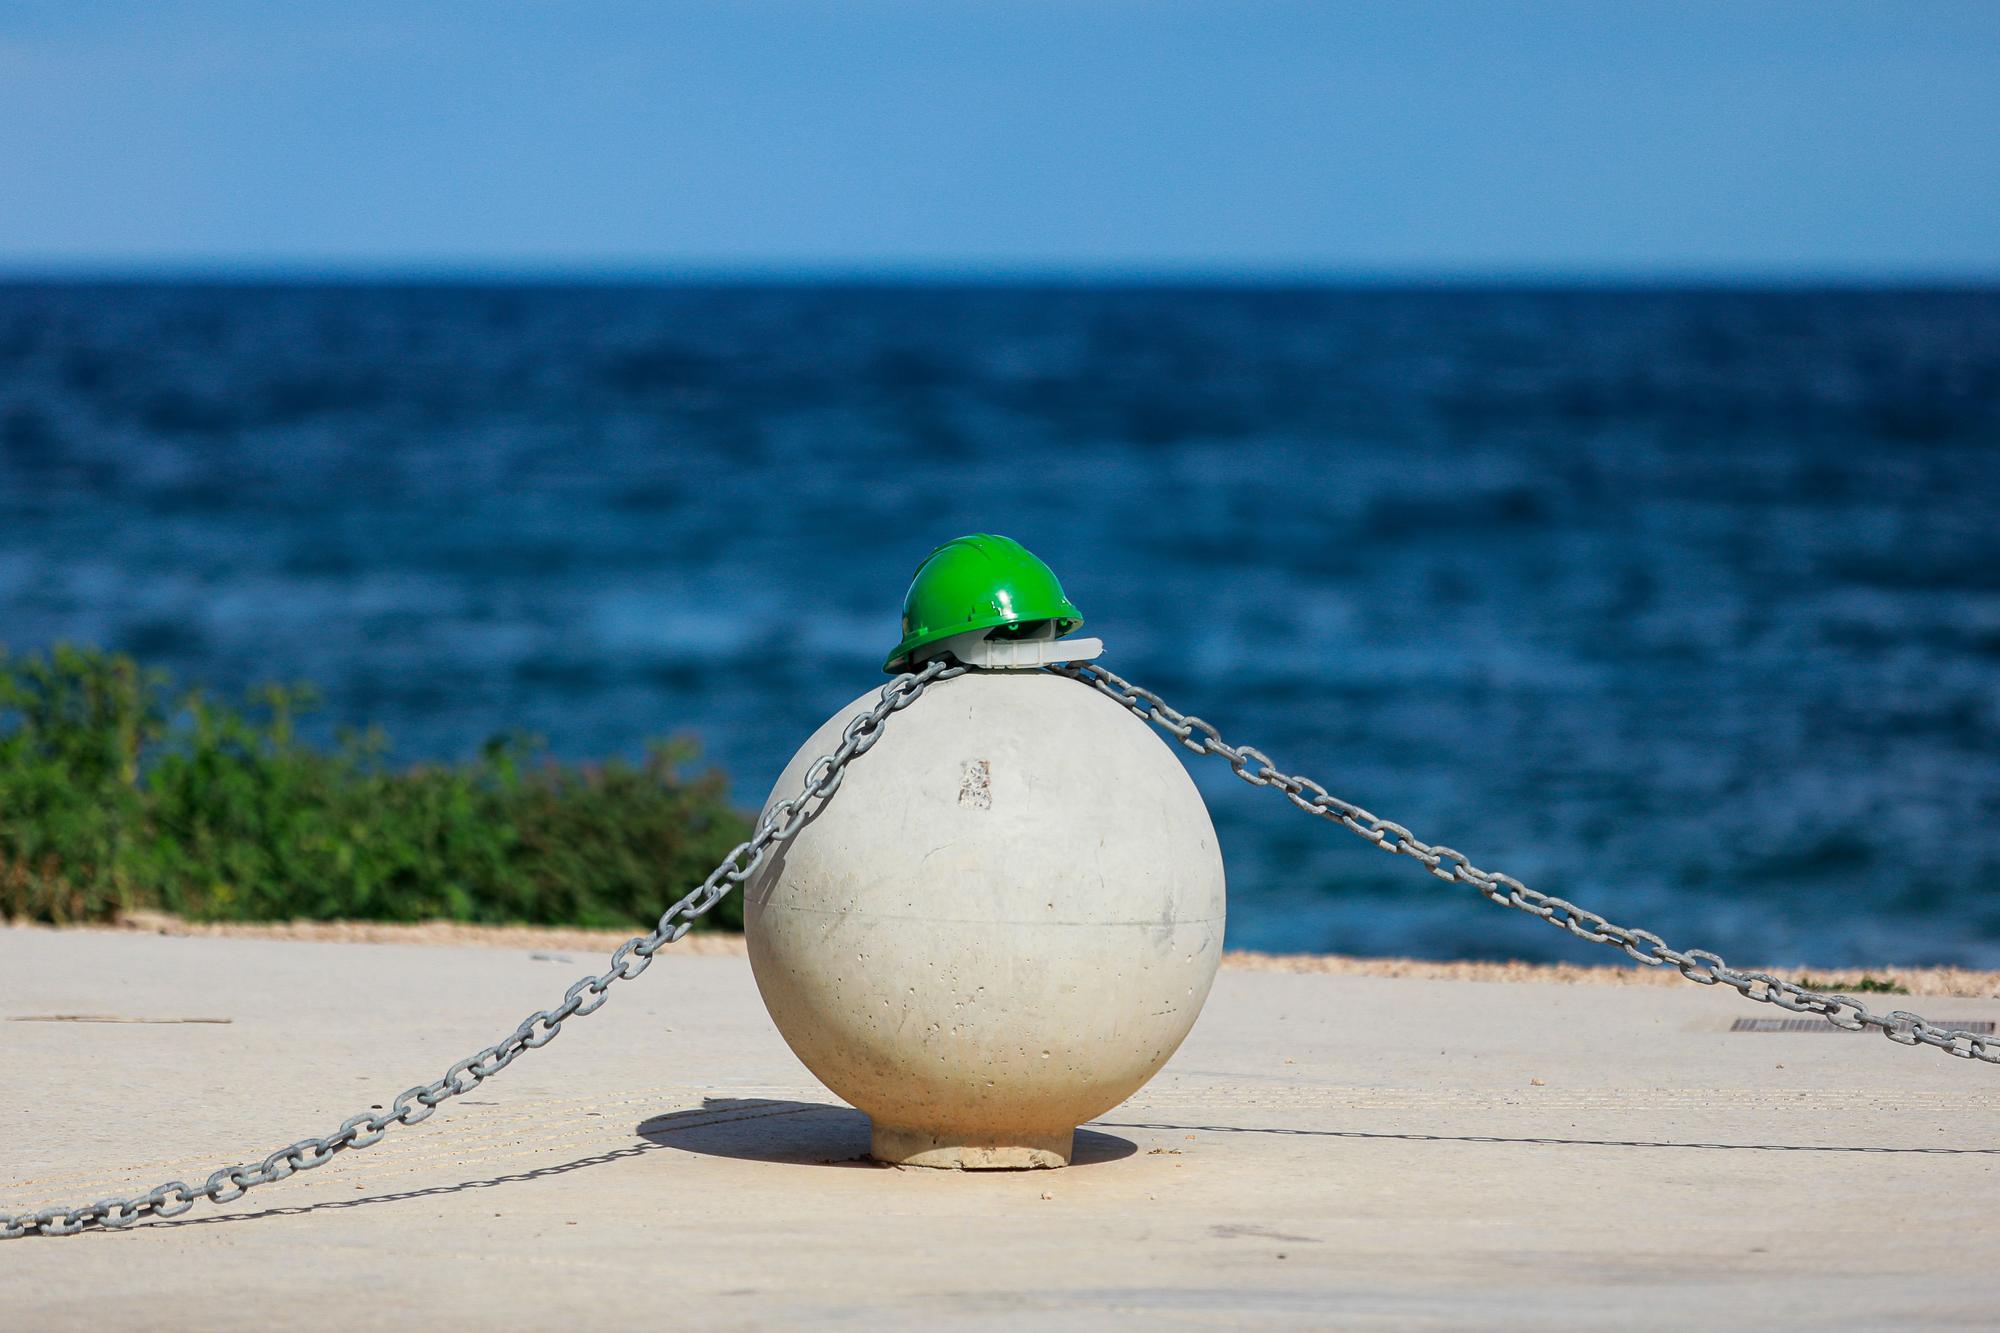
[1642, 946]
[538, 1029]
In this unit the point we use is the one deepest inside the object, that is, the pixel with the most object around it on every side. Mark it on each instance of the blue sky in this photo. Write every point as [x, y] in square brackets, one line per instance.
[1404, 138]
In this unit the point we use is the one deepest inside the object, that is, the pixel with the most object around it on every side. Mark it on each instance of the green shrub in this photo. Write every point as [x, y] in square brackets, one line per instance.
[117, 793]
[1867, 985]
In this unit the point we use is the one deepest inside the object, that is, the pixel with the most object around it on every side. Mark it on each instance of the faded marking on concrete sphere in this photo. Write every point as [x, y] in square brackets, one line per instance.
[976, 787]
[1000, 927]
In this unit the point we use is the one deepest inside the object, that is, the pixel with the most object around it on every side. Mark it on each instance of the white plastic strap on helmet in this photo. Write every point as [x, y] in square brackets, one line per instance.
[977, 649]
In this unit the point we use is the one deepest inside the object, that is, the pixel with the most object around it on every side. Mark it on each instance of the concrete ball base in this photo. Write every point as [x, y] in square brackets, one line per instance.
[1000, 926]
[1020, 1152]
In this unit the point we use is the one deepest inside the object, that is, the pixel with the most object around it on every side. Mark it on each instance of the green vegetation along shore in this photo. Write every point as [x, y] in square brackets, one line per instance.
[120, 792]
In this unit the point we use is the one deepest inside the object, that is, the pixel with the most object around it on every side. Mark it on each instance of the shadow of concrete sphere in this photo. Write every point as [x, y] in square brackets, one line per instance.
[756, 1129]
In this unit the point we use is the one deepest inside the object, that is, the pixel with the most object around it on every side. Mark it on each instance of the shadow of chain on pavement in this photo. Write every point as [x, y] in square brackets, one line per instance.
[838, 1136]
[1543, 1140]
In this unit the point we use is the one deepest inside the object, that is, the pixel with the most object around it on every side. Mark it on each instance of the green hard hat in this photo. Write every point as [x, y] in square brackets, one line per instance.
[980, 582]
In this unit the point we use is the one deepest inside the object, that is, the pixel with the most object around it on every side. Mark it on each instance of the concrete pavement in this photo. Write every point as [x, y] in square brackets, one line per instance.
[1325, 1151]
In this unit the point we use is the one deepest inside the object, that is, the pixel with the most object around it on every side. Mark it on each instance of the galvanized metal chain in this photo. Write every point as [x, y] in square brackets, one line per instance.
[587, 996]
[1642, 946]
[822, 780]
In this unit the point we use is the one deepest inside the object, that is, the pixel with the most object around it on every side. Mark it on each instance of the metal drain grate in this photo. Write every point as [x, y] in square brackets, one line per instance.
[1980, 1025]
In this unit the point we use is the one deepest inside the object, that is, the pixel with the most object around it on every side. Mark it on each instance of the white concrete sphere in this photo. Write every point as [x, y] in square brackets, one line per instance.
[1000, 926]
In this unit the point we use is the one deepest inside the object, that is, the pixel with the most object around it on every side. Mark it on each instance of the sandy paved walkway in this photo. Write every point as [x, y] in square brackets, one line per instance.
[1913, 980]
[1327, 1150]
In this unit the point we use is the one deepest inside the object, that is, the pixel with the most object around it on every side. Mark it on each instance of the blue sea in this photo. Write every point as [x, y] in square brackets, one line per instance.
[1684, 604]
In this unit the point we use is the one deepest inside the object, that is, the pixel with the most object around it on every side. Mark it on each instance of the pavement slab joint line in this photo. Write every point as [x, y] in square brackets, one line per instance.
[460, 1127]
[456, 1152]
[493, 1122]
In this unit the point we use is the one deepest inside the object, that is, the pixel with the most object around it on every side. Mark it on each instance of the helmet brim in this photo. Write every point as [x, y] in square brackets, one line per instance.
[1068, 621]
